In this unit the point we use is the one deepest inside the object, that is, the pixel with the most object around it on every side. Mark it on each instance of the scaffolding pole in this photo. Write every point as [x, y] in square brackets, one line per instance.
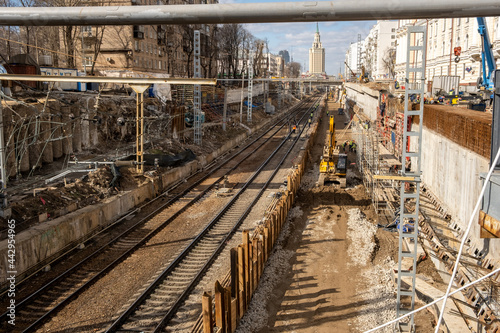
[197, 90]
[250, 88]
[304, 11]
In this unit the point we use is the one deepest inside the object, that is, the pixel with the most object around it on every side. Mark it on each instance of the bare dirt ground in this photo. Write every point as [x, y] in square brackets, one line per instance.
[332, 269]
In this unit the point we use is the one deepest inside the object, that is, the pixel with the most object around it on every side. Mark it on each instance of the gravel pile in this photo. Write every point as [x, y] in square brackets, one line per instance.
[378, 290]
[360, 231]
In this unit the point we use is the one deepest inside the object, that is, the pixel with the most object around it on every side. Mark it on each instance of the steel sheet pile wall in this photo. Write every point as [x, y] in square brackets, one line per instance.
[233, 295]
[468, 128]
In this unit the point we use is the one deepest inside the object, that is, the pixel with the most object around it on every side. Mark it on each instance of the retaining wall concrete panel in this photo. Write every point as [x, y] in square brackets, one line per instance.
[451, 172]
[365, 98]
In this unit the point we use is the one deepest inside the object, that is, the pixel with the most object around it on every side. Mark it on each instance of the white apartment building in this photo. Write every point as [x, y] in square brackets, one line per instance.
[443, 36]
[351, 59]
[377, 48]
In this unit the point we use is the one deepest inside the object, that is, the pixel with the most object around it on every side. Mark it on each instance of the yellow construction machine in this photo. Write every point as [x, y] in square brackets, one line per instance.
[333, 165]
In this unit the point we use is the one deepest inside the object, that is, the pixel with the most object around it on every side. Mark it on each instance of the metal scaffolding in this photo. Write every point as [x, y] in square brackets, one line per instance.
[197, 90]
[250, 88]
[410, 190]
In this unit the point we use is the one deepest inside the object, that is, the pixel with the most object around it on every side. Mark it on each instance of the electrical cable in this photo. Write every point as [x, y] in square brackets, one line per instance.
[433, 302]
[462, 243]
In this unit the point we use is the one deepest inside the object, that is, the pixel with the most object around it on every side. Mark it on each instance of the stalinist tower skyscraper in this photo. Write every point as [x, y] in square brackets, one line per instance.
[317, 55]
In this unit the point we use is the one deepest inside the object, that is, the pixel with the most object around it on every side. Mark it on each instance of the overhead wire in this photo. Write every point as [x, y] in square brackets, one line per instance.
[444, 298]
[464, 238]
[468, 285]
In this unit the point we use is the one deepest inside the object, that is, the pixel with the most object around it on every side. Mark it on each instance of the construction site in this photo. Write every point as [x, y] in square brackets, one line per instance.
[259, 203]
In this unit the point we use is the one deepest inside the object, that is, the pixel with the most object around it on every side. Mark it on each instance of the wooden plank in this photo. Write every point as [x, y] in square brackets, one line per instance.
[260, 259]
[220, 315]
[227, 309]
[248, 278]
[391, 177]
[234, 272]
[208, 319]
[241, 280]
[267, 247]
[490, 224]
[234, 315]
[255, 263]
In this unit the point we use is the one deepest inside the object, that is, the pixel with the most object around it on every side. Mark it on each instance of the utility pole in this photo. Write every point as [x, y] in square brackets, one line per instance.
[250, 88]
[4, 212]
[197, 90]
[224, 112]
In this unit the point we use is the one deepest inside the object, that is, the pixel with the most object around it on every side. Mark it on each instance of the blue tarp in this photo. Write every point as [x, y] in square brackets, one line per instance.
[246, 104]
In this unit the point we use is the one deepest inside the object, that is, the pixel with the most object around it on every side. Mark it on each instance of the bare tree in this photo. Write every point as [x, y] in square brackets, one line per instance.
[292, 69]
[389, 60]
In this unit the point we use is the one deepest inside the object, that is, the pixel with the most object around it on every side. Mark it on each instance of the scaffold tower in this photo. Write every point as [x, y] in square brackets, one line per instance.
[411, 167]
[197, 90]
[250, 88]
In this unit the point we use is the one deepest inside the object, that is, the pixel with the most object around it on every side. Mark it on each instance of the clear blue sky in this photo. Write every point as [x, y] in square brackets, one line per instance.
[297, 38]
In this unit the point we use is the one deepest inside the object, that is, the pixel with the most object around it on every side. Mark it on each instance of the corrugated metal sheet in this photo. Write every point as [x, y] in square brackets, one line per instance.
[445, 83]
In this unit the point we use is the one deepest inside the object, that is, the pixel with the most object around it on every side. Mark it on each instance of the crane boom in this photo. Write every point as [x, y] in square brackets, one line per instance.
[487, 57]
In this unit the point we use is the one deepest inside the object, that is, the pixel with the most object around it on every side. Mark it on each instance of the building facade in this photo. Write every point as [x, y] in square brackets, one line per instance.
[317, 55]
[149, 49]
[443, 36]
[351, 59]
[379, 46]
[285, 55]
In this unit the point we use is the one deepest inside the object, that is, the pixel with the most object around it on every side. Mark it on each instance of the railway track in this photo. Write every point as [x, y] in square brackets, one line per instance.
[49, 299]
[158, 303]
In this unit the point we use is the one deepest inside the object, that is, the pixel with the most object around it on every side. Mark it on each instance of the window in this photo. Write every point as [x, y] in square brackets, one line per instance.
[436, 31]
[466, 20]
[466, 44]
[444, 24]
[458, 22]
[87, 31]
[442, 51]
[88, 60]
[393, 37]
[393, 30]
[136, 44]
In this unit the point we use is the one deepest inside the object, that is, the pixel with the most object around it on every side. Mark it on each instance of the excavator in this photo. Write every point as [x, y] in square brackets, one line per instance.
[333, 165]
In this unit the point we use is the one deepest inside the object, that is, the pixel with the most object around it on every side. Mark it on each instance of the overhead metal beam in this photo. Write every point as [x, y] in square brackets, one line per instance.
[104, 79]
[312, 11]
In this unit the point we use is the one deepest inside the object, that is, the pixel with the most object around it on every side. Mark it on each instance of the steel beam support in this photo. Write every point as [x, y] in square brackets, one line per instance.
[305, 11]
[139, 125]
[197, 89]
[495, 126]
[410, 189]
[250, 88]
[104, 79]
[279, 95]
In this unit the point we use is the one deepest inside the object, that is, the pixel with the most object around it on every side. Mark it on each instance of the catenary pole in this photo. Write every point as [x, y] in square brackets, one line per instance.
[312, 11]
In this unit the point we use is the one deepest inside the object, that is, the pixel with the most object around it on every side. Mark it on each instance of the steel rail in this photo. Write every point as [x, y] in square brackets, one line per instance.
[99, 251]
[305, 11]
[174, 264]
[223, 244]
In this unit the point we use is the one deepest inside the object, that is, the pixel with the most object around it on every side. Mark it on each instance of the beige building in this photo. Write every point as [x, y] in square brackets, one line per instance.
[317, 55]
[163, 49]
[443, 36]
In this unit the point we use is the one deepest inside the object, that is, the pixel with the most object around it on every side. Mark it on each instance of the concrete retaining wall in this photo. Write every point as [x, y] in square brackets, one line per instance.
[449, 170]
[366, 98]
[43, 242]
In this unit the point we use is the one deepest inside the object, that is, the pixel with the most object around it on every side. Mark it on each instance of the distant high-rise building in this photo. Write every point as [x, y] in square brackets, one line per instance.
[317, 55]
[286, 57]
